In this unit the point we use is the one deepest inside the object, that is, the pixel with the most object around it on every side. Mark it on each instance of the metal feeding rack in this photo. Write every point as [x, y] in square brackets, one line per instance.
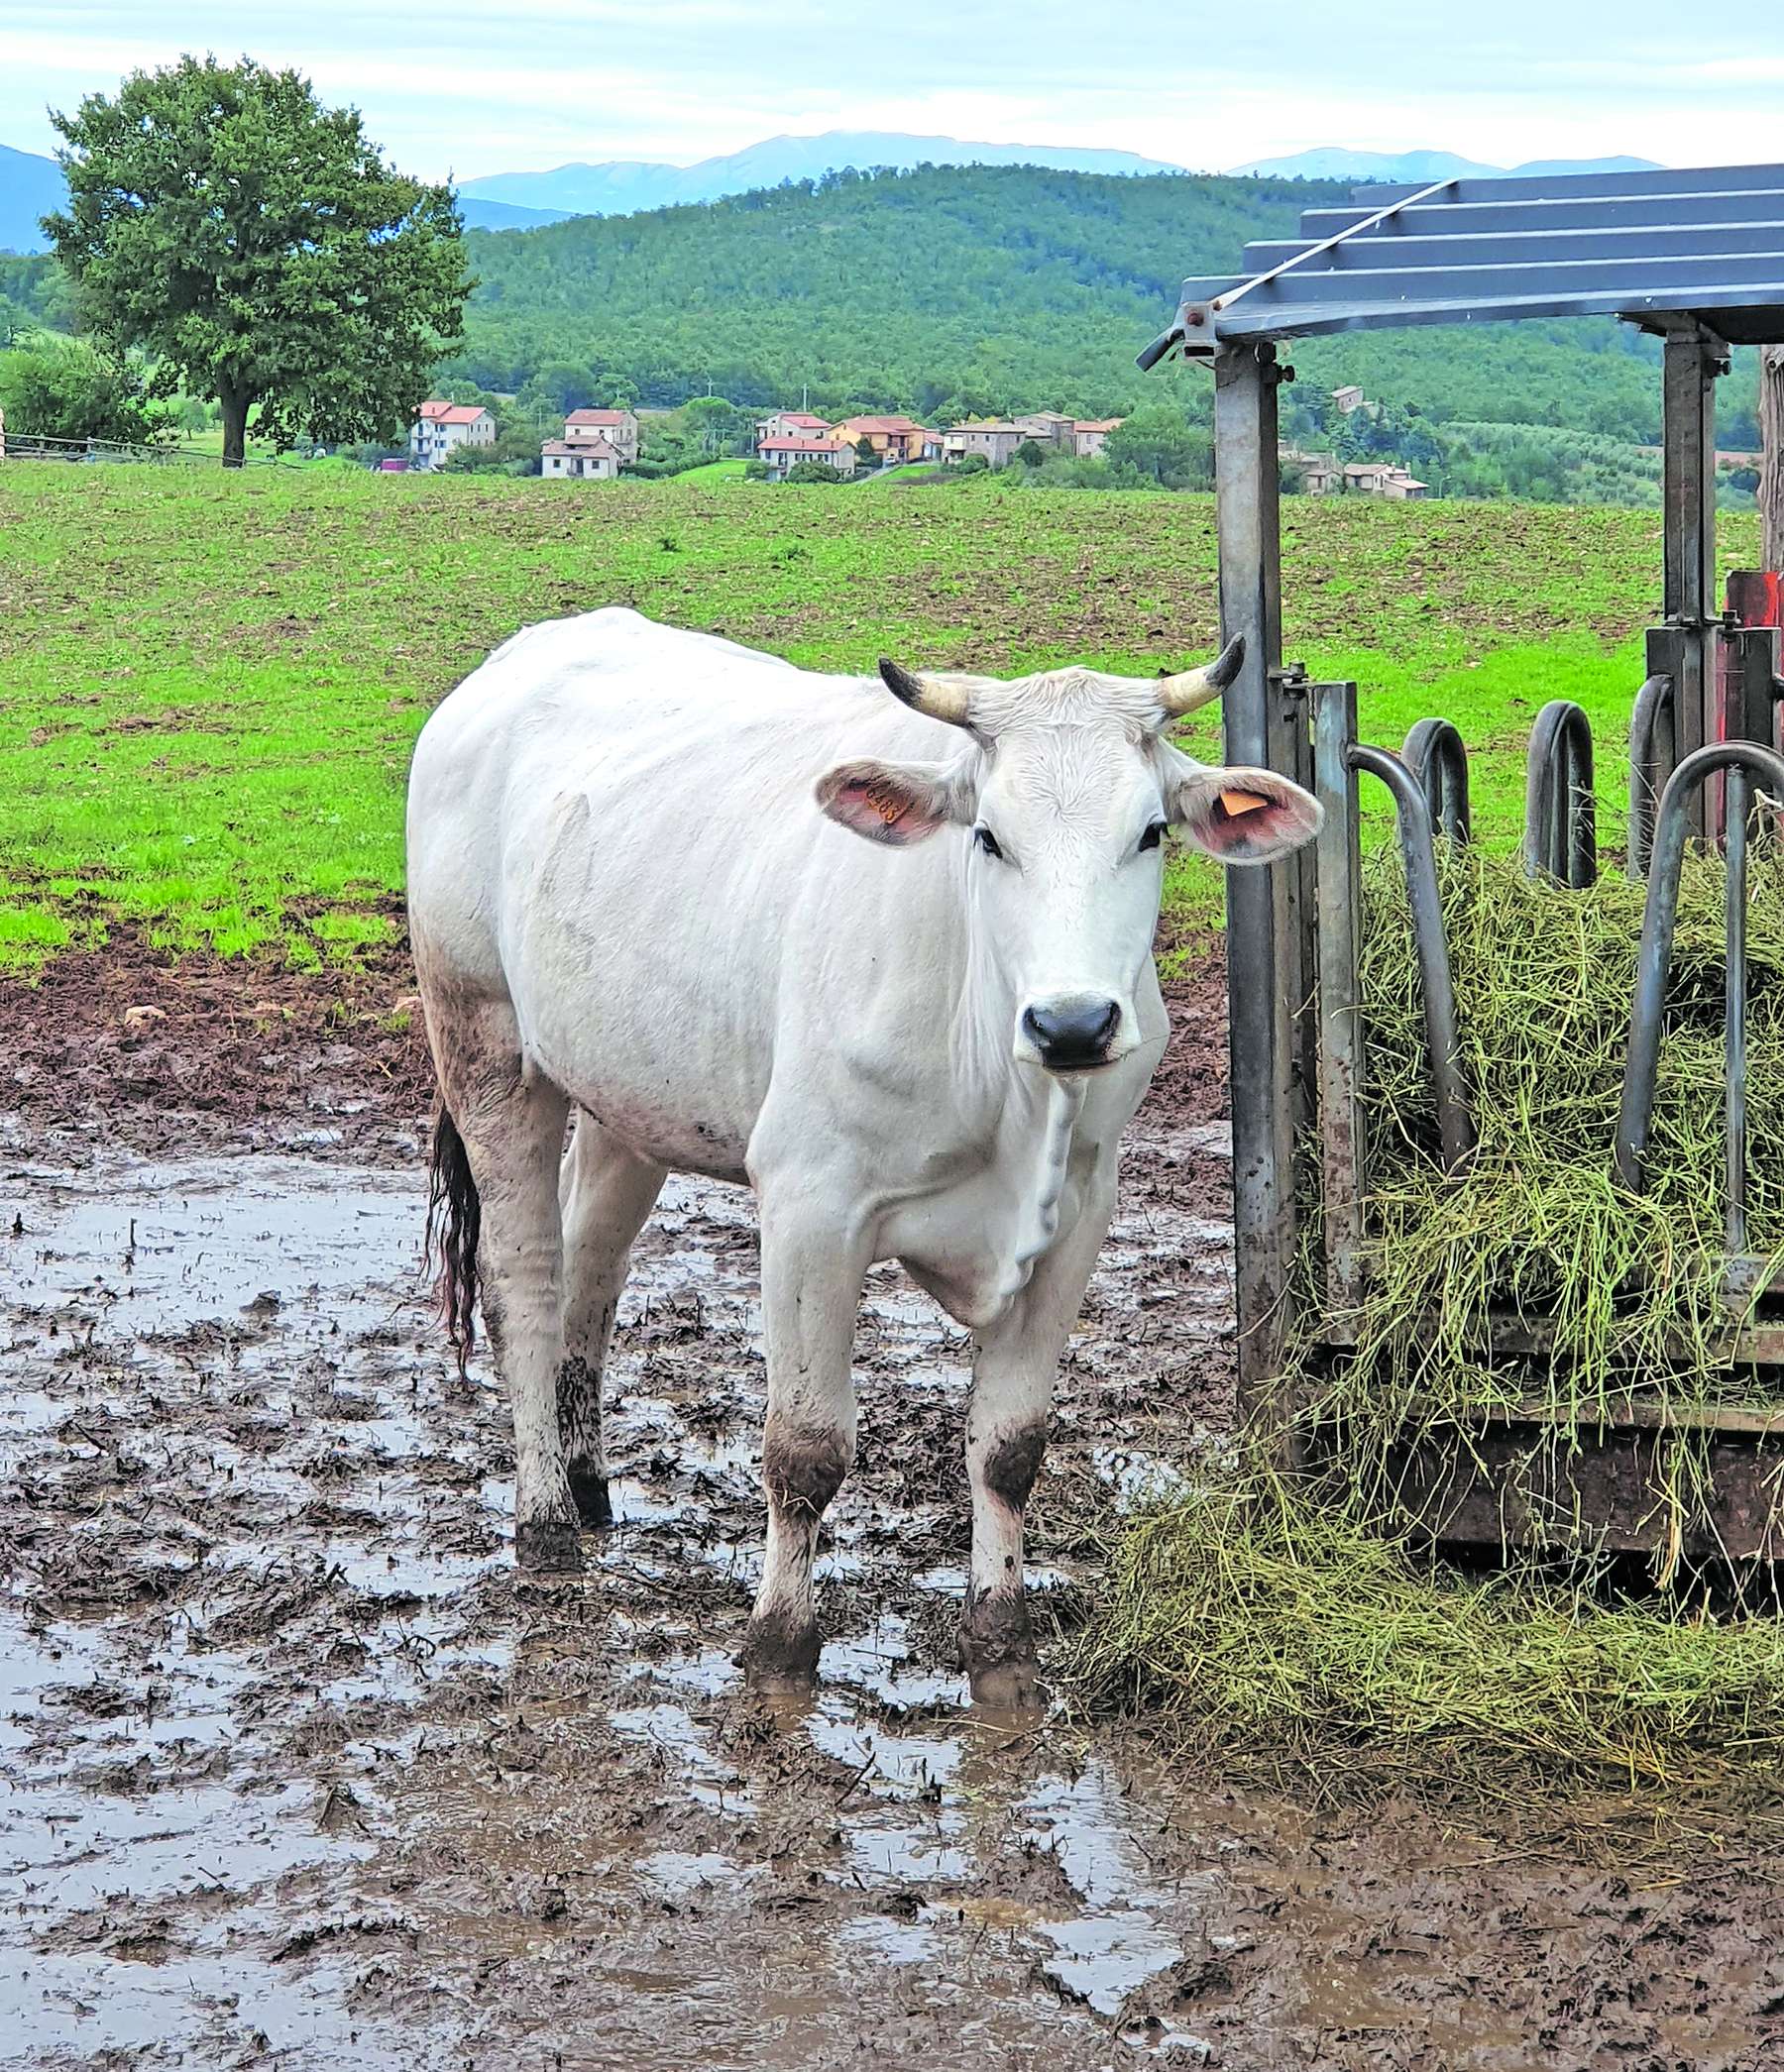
[1696, 258]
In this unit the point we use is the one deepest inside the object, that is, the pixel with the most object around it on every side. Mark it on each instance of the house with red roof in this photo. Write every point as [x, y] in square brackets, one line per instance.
[618, 428]
[791, 424]
[890, 438]
[441, 428]
[782, 454]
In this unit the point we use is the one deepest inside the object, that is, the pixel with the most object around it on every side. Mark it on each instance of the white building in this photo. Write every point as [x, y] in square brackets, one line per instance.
[615, 428]
[780, 456]
[587, 460]
[790, 424]
[440, 430]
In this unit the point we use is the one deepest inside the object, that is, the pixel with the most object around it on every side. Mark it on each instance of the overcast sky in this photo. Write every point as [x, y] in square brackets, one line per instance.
[471, 87]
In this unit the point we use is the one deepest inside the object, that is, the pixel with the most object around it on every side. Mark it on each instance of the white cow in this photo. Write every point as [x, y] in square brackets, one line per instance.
[886, 958]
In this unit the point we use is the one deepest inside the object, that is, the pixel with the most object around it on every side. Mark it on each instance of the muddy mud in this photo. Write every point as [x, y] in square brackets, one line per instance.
[300, 1771]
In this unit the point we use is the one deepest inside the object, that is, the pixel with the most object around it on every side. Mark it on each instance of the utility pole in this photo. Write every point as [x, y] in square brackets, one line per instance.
[1771, 472]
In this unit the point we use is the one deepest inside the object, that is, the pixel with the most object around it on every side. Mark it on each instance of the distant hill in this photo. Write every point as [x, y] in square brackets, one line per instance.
[30, 187]
[624, 187]
[503, 216]
[1417, 168]
[983, 290]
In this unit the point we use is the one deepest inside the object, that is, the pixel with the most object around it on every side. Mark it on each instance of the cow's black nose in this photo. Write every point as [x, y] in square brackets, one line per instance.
[1071, 1036]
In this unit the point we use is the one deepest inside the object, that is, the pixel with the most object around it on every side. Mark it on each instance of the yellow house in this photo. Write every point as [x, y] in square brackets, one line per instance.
[889, 438]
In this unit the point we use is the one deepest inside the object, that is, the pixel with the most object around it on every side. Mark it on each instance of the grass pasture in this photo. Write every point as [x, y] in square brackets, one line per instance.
[209, 684]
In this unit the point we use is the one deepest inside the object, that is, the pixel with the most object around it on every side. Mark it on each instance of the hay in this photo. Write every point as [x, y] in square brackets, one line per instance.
[1294, 1640]
[1293, 1622]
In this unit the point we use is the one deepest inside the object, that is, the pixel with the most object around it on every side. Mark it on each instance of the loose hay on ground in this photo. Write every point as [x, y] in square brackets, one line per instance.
[1295, 1622]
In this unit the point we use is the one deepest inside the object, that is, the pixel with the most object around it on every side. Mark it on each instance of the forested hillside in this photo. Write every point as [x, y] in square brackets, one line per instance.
[984, 290]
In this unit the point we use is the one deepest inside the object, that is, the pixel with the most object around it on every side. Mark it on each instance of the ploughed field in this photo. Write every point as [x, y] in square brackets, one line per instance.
[297, 1768]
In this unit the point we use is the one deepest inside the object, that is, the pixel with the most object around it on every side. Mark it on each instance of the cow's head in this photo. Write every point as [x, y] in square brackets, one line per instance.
[1067, 787]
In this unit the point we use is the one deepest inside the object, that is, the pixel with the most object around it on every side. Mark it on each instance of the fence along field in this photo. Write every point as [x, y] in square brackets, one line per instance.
[212, 684]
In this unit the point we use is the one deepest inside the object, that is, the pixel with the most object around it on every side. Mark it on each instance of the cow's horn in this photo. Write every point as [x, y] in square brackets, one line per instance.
[1200, 687]
[926, 694]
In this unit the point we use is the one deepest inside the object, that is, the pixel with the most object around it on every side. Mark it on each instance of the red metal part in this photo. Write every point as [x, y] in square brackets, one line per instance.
[1757, 597]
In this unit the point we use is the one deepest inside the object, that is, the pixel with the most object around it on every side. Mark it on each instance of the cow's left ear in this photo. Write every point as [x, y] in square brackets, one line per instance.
[1238, 815]
[896, 803]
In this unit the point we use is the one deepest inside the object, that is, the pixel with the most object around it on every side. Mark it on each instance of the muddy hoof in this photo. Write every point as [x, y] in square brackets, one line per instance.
[778, 1658]
[1009, 1686]
[589, 1488]
[547, 1547]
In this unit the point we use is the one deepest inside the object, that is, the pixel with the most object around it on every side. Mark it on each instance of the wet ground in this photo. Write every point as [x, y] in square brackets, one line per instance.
[298, 1771]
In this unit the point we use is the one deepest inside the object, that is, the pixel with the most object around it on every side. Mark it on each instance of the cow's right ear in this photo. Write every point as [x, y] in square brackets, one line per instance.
[895, 803]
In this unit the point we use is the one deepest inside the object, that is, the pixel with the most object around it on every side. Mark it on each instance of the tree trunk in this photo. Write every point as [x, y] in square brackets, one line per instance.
[1771, 476]
[235, 427]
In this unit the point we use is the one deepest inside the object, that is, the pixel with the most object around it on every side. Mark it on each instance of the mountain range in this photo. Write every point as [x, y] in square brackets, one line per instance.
[1417, 168]
[30, 185]
[626, 186]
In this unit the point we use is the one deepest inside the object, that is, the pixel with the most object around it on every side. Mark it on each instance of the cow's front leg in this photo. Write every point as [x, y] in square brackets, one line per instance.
[813, 1265]
[1013, 1372]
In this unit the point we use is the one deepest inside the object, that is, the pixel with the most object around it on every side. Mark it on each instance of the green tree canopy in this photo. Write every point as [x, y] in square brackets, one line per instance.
[58, 389]
[258, 247]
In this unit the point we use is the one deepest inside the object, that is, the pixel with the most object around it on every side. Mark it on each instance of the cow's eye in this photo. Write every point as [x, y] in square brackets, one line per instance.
[1152, 836]
[986, 841]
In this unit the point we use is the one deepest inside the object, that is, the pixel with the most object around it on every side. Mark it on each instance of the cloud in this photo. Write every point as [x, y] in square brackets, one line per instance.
[456, 86]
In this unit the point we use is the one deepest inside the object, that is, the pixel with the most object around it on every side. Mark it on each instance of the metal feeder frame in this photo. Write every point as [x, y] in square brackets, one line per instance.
[1696, 258]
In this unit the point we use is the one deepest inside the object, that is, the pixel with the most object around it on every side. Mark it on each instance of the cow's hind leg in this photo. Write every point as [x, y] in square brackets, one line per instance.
[813, 1266]
[512, 1123]
[1013, 1375]
[606, 1193]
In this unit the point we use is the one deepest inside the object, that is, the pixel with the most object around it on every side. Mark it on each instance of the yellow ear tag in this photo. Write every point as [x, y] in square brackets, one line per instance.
[1237, 803]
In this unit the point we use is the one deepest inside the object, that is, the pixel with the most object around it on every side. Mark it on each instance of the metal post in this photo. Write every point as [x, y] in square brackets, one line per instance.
[1653, 961]
[1262, 936]
[1343, 1151]
[1694, 357]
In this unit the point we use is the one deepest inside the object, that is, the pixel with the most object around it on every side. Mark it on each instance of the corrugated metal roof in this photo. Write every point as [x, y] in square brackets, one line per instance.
[1652, 247]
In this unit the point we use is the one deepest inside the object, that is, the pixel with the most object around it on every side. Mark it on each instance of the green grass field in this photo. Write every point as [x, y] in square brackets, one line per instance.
[209, 683]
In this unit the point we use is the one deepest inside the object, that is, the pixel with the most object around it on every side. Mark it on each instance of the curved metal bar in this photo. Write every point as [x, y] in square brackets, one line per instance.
[1412, 811]
[1655, 960]
[1560, 838]
[1435, 754]
[1653, 755]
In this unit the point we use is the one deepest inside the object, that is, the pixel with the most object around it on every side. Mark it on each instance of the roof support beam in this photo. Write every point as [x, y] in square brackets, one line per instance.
[1266, 954]
[1694, 357]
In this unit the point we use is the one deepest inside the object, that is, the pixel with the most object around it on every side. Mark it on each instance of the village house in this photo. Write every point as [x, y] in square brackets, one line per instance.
[1320, 472]
[791, 424]
[782, 454]
[1089, 435]
[890, 439]
[587, 460]
[618, 428]
[440, 430]
[993, 438]
[1348, 399]
[1384, 479]
[1047, 428]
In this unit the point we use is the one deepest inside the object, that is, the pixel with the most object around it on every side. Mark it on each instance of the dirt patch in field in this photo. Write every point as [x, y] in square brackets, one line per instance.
[300, 1771]
[213, 1050]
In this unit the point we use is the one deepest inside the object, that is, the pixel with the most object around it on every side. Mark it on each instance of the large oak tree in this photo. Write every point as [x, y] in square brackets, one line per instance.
[260, 250]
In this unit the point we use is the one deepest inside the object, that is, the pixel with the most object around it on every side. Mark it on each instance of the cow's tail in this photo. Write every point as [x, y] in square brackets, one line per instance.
[454, 1224]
